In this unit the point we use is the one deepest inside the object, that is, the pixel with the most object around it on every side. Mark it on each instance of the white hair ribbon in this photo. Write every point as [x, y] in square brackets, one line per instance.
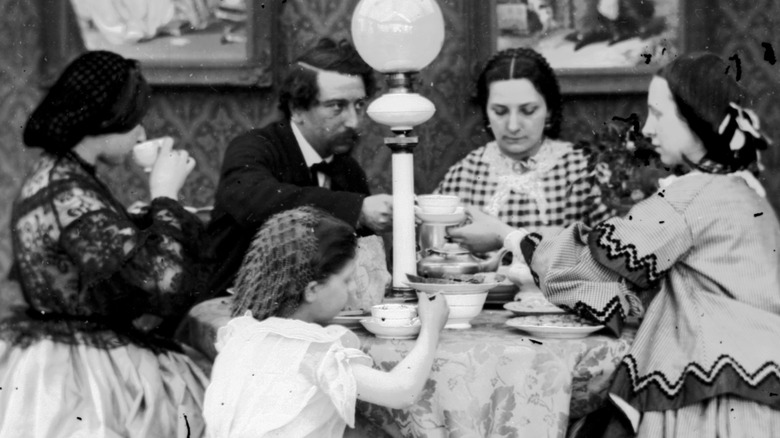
[747, 123]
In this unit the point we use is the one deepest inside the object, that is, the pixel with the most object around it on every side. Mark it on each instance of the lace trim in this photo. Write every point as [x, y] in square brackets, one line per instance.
[603, 237]
[726, 376]
[522, 176]
[26, 327]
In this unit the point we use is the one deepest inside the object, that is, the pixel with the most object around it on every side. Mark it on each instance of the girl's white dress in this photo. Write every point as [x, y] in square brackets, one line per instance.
[282, 378]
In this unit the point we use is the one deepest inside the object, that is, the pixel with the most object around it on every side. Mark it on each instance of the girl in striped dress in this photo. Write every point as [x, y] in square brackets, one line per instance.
[703, 252]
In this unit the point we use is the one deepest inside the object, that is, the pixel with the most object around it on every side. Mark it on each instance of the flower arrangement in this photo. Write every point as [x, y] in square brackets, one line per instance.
[623, 163]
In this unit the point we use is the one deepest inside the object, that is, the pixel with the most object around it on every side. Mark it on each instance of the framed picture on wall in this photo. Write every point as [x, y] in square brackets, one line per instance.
[595, 46]
[179, 42]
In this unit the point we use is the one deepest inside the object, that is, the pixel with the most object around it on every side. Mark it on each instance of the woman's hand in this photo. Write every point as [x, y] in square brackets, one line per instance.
[170, 171]
[484, 233]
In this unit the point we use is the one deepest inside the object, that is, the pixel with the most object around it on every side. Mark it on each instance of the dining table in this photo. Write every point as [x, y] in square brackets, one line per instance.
[490, 380]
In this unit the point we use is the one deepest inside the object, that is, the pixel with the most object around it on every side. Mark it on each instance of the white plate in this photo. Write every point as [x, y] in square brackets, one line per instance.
[443, 219]
[521, 309]
[453, 288]
[381, 331]
[553, 326]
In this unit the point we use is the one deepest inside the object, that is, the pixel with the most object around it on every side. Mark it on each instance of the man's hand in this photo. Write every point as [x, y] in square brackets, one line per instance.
[377, 213]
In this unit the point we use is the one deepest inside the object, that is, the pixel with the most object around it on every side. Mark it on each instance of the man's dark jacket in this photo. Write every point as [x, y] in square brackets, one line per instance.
[263, 173]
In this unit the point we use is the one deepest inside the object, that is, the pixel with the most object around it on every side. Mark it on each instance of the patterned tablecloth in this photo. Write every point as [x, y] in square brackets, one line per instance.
[487, 381]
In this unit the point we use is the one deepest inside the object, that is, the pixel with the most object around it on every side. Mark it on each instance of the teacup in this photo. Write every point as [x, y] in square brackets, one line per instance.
[437, 204]
[394, 315]
[145, 153]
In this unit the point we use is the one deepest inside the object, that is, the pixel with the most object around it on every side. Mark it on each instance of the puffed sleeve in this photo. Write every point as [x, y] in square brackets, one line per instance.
[334, 375]
[571, 278]
[595, 272]
[643, 245]
[159, 262]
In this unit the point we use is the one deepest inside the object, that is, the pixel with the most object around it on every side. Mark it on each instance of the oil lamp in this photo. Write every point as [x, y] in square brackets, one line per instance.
[399, 38]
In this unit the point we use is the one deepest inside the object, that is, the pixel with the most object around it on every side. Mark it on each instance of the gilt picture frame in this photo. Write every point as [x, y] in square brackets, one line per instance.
[592, 46]
[235, 48]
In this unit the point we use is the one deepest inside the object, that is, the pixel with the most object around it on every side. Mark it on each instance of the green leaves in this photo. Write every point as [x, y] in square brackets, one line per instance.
[622, 163]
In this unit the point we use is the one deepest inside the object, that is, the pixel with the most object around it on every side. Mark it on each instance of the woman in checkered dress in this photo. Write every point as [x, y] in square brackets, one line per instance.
[526, 176]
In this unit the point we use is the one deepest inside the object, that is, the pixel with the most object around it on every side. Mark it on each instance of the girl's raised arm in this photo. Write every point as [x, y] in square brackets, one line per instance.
[400, 387]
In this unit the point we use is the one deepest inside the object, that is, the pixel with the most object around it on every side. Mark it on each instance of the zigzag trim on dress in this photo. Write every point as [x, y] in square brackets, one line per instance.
[616, 250]
[612, 314]
[672, 389]
[611, 310]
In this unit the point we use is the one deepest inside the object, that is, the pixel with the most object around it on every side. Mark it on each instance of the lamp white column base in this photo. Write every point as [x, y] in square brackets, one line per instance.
[404, 239]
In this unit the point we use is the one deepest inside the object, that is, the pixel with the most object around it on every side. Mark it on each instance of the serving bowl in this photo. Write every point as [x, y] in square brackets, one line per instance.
[463, 308]
[465, 295]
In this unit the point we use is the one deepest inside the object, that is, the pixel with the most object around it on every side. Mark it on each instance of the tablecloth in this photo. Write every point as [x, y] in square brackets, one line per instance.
[488, 381]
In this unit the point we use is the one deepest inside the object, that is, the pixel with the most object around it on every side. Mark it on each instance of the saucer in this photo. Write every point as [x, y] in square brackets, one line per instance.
[349, 318]
[381, 331]
[458, 216]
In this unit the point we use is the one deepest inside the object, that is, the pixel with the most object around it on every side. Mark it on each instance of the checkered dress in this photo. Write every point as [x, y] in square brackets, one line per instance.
[549, 189]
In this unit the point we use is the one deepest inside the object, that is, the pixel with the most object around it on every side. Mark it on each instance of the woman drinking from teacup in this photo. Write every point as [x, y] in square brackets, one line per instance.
[526, 177]
[82, 360]
[703, 252]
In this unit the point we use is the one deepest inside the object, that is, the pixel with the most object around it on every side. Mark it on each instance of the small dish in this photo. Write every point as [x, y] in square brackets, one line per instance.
[458, 216]
[382, 331]
[554, 326]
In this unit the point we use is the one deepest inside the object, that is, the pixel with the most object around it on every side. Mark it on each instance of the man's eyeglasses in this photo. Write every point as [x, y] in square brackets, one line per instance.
[337, 106]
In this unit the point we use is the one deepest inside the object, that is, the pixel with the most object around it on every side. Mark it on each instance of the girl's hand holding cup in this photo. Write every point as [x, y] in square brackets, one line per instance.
[170, 170]
[433, 311]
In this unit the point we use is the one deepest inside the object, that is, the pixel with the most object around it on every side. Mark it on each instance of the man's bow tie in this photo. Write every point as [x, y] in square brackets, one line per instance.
[322, 167]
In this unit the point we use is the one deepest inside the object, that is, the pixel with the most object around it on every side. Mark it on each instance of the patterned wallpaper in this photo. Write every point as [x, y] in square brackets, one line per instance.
[203, 120]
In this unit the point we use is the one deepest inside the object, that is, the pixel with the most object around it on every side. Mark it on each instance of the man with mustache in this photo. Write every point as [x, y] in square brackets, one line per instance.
[300, 160]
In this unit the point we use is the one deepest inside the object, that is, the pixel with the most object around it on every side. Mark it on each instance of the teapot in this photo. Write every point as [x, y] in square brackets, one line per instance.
[453, 259]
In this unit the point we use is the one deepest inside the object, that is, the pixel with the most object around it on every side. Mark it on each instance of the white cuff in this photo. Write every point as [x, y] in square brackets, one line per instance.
[512, 240]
